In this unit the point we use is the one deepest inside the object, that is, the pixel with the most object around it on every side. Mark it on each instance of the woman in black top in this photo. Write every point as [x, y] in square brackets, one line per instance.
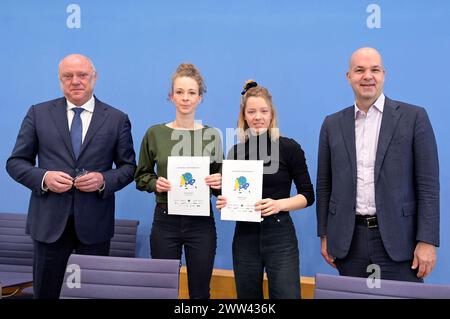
[272, 244]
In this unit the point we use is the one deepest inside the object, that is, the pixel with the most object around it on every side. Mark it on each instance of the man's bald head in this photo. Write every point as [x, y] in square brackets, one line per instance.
[77, 76]
[75, 57]
[365, 52]
[366, 76]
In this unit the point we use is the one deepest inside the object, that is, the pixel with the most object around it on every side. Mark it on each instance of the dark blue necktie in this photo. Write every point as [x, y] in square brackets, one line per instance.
[76, 131]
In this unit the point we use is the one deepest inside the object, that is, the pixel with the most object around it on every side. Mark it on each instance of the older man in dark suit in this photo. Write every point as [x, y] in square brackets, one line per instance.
[378, 182]
[76, 140]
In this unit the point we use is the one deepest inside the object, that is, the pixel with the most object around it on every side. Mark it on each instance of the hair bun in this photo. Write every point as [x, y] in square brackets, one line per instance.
[248, 85]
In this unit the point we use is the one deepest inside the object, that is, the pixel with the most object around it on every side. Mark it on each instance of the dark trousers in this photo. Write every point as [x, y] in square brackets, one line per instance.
[198, 236]
[50, 260]
[271, 245]
[366, 249]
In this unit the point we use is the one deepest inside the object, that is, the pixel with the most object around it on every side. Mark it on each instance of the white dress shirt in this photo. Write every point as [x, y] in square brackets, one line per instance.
[367, 131]
[85, 116]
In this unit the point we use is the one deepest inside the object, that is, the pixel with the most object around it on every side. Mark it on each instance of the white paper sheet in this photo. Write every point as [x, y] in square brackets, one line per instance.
[242, 187]
[189, 194]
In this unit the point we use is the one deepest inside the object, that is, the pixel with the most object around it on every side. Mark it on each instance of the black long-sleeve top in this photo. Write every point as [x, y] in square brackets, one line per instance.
[284, 162]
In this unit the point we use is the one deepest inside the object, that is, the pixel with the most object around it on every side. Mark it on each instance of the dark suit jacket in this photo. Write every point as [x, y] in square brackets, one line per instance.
[45, 134]
[406, 180]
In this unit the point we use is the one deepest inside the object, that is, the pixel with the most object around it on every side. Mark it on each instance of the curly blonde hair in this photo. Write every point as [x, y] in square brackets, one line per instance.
[191, 71]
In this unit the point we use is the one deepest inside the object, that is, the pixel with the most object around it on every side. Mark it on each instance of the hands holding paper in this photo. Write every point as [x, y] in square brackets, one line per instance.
[162, 185]
[221, 202]
[267, 206]
[214, 181]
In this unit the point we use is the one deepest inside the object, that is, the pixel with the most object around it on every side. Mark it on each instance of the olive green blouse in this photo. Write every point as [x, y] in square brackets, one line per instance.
[161, 141]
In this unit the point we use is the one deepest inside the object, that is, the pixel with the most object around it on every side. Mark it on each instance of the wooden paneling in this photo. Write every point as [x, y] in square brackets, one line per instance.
[223, 287]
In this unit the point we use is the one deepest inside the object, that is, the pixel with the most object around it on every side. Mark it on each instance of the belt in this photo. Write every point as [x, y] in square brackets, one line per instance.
[368, 221]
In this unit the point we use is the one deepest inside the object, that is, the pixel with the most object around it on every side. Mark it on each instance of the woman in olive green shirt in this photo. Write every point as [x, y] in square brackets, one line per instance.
[182, 137]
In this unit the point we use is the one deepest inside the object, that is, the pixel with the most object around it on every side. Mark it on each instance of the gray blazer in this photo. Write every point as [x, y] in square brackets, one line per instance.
[406, 180]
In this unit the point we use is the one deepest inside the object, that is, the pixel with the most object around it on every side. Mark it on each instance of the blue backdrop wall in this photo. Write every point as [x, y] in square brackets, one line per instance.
[298, 49]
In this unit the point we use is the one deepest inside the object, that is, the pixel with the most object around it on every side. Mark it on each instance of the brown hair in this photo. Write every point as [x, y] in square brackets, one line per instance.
[189, 70]
[252, 89]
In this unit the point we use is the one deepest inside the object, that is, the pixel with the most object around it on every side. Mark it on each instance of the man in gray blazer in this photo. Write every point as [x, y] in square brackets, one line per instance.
[85, 154]
[378, 182]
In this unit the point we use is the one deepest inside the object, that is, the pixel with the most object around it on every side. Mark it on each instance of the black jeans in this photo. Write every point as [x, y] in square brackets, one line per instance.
[198, 236]
[50, 260]
[271, 245]
[366, 249]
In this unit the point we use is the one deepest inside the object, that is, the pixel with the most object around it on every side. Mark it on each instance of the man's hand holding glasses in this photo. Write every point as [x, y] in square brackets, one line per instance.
[88, 181]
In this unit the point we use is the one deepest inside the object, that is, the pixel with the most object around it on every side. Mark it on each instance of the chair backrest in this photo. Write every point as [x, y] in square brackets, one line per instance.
[16, 247]
[343, 287]
[123, 244]
[106, 277]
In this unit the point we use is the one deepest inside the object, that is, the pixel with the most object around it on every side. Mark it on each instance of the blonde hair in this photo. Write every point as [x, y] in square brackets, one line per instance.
[189, 70]
[252, 89]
